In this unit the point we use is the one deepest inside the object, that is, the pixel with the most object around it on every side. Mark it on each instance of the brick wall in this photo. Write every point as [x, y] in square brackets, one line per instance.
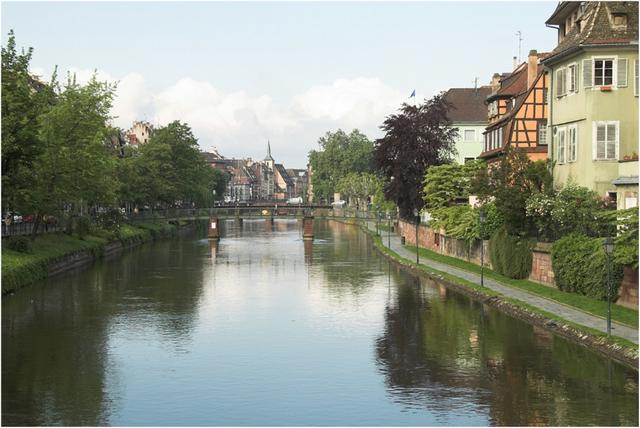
[541, 268]
[438, 242]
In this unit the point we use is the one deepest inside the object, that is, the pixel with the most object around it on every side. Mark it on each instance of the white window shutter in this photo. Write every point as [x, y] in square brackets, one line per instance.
[622, 72]
[635, 82]
[617, 127]
[577, 77]
[587, 73]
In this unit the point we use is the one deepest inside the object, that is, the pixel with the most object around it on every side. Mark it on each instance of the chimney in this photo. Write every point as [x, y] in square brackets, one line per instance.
[515, 62]
[495, 82]
[532, 67]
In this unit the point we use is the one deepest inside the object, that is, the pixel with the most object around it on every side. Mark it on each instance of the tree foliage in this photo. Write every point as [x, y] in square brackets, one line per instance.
[580, 266]
[340, 154]
[511, 255]
[445, 184]
[510, 183]
[24, 99]
[359, 186]
[573, 209]
[415, 139]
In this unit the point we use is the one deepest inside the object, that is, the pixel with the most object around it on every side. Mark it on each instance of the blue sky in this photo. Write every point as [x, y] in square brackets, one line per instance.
[242, 73]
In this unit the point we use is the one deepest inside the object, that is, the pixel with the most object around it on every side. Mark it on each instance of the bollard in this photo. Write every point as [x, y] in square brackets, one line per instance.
[214, 228]
[307, 228]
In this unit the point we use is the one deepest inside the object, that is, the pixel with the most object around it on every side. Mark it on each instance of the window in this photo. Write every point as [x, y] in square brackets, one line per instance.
[605, 140]
[542, 133]
[603, 72]
[469, 135]
[545, 96]
[561, 143]
[572, 146]
[571, 78]
[561, 81]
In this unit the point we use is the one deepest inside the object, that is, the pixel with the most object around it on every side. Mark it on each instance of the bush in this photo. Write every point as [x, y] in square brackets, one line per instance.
[573, 209]
[21, 244]
[580, 266]
[82, 226]
[111, 220]
[511, 256]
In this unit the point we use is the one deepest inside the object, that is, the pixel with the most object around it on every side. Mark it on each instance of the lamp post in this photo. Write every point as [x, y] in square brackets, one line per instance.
[608, 249]
[389, 228]
[482, 218]
[416, 214]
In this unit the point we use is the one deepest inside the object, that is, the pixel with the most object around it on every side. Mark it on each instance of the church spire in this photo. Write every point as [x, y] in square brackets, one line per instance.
[268, 158]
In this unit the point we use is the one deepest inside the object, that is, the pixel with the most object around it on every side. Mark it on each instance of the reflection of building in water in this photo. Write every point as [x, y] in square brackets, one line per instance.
[213, 248]
[308, 251]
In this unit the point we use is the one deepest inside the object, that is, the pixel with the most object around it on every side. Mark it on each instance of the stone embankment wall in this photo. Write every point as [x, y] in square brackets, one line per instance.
[541, 269]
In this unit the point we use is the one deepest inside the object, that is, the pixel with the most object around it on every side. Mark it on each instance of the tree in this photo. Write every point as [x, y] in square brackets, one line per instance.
[510, 183]
[445, 184]
[359, 186]
[74, 165]
[340, 155]
[415, 139]
[24, 99]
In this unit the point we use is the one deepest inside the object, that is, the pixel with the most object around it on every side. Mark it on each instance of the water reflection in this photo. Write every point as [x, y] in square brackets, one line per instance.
[263, 328]
[444, 352]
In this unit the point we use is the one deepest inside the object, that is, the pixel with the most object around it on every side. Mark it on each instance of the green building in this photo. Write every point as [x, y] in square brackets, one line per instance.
[593, 98]
[468, 114]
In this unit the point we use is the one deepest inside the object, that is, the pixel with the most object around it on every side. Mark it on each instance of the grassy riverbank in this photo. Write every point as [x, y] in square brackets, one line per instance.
[22, 268]
[597, 338]
[586, 304]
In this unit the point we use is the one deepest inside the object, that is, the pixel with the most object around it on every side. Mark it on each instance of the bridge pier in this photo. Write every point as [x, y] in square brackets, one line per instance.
[307, 228]
[214, 228]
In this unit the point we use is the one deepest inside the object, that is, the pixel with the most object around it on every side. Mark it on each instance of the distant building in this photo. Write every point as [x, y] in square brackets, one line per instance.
[139, 133]
[518, 111]
[300, 185]
[469, 115]
[594, 105]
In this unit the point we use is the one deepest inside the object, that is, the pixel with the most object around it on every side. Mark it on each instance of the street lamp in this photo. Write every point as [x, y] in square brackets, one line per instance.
[416, 214]
[389, 227]
[482, 218]
[608, 249]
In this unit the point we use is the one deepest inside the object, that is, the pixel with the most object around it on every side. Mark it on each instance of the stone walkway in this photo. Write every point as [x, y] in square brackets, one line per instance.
[553, 307]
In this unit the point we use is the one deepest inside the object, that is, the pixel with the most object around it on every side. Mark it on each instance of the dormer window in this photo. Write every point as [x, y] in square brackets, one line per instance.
[619, 20]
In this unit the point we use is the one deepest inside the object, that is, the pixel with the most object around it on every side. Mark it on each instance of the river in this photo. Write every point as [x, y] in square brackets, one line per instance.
[263, 328]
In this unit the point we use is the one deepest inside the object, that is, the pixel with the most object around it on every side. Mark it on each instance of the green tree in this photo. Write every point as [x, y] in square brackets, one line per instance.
[24, 99]
[74, 165]
[340, 154]
[510, 183]
[359, 186]
[444, 185]
[415, 139]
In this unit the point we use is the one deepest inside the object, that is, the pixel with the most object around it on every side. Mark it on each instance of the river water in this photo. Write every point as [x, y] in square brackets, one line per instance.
[265, 329]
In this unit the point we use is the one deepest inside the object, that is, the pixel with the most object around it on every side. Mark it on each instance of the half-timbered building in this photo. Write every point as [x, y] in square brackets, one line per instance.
[518, 111]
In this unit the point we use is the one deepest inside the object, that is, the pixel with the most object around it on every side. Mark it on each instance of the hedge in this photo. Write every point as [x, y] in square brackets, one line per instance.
[511, 256]
[580, 266]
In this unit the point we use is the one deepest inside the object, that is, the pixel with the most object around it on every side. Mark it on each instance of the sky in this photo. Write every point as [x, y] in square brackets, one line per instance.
[243, 73]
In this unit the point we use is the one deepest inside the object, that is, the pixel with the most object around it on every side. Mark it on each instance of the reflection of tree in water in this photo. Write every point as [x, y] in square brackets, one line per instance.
[348, 263]
[56, 336]
[445, 353]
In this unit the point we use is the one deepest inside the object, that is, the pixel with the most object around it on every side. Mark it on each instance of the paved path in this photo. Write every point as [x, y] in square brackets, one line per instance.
[553, 307]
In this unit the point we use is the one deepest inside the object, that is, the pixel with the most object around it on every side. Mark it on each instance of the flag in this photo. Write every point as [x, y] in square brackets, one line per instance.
[413, 94]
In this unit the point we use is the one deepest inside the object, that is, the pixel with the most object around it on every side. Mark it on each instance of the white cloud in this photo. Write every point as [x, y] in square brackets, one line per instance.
[239, 124]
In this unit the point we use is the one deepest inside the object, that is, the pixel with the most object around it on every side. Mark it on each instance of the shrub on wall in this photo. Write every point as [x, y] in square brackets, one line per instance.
[580, 266]
[511, 256]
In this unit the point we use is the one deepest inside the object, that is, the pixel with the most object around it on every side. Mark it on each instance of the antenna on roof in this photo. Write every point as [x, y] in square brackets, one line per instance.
[520, 39]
